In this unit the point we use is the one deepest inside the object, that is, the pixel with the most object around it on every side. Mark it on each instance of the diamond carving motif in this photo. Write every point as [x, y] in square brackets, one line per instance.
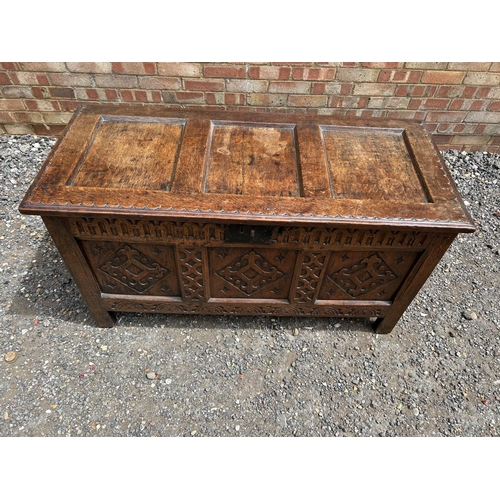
[250, 273]
[134, 269]
[364, 276]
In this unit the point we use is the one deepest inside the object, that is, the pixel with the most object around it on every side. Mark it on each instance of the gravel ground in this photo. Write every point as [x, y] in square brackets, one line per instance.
[436, 374]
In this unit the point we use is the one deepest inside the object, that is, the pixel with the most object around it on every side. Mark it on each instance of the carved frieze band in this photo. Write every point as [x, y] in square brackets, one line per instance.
[194, 233]
[338, 237]
[245, 310]
[146, 230]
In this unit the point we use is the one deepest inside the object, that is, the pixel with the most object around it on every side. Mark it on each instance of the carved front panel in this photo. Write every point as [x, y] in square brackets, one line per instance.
[365, 275]
[138, 269]
[254, 273]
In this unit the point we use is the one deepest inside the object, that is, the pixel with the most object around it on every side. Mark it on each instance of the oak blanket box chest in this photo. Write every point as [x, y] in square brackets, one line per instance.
[215, 212]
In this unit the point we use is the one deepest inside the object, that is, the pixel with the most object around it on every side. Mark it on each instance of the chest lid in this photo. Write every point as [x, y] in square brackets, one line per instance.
[235, 167]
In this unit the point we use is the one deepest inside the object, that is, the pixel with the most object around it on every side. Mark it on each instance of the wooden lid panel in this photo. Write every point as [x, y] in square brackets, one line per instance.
[371, 164]
[253, 160]
[130, 153]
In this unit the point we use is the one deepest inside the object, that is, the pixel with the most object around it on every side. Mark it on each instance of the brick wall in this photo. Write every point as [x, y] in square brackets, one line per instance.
[458, 102]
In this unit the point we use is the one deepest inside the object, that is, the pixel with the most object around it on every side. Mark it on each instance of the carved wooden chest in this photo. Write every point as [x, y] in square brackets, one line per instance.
[175, 211]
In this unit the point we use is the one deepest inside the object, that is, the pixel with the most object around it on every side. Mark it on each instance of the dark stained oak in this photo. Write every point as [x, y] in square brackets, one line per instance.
[212, 212]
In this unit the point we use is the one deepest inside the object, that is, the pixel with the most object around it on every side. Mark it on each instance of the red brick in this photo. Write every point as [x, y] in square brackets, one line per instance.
[443, 77]
[42, 79]
[419, 91]
[494, 106]
[313, 74]
[469, 92]
[402, 90]
[51, 130]
[13, 66]
[65, 92]
[480, 129]
[449, 91]
[70, 80]
[89, 67]
[382, 64]
[267, 99]
[459, 127]
[189, 96]
[457, 104]
[204, 85]
[478, 105]
[318, 88]
[126, 95]
[346, 88]
[155, 96]
[4, 79]
[179, 69]
[117, 81]
[134, 68]
[11, 104]
[483, 93]
[224, 71]
[111, 94]
[92, 94]
[43, 66]
[269, 73]
[159, 83]
[6, 117]
[141, 95]
[289, 87]
[436, 103]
